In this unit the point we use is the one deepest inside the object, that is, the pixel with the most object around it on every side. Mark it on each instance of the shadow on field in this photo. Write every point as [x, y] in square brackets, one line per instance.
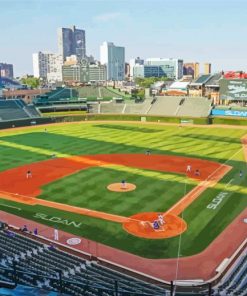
[128, 128]
[210, 138]
[72, 145]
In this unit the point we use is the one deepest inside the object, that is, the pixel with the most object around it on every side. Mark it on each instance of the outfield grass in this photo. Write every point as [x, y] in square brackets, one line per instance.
[85, 188]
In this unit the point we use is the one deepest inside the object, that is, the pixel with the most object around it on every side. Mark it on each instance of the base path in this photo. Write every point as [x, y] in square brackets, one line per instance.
[17, 187]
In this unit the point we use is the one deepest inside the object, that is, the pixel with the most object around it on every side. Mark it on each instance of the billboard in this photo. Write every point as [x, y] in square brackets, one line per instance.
[236, 113]
[235, 89]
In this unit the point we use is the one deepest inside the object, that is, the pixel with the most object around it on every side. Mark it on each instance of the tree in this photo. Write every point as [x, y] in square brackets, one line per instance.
[31, 81]
[147, 82]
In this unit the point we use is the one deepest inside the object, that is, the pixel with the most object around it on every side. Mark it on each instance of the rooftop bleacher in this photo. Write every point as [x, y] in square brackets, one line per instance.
[202, 79]
[46, 267]
[214, 80]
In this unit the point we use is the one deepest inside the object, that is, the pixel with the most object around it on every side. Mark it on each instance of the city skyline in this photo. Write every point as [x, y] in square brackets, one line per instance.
[190, 31]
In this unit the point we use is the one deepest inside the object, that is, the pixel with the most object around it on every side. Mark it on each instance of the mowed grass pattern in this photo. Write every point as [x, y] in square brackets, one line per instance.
[156, 191]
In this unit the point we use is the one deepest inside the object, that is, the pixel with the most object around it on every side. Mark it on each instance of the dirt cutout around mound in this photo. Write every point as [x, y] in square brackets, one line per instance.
[16, 187]
[119, 187]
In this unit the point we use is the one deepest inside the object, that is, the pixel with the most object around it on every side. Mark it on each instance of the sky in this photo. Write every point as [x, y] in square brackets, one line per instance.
[194, 30]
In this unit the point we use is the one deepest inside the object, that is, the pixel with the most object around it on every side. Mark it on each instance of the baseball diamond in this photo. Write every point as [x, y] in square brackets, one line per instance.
[72, 191]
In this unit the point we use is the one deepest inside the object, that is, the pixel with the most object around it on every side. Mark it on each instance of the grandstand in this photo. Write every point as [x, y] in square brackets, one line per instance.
[60, 94]
[94, 92]
[235, 282]
[28, 262]
[16, 109]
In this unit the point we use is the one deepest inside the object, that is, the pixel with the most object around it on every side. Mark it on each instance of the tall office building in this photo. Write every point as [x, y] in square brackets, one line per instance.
[159, 67]
[6, 70]
[172, 67]
[207, 68]
[47, 66]
[71, 41]
[83, 71]
[133, 62]
[114, 58]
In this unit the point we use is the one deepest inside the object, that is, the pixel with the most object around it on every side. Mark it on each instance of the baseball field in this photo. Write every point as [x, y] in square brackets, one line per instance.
[72, 166]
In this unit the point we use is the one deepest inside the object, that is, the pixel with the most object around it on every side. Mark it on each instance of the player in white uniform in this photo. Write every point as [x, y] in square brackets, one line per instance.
[188, 169]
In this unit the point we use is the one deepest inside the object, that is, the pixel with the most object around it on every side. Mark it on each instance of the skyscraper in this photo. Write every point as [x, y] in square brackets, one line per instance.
[6, 70]
[48, 66]
[114, 58]
[71, 41]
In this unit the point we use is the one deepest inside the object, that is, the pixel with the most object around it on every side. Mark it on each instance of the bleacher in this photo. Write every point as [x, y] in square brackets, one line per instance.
[235, 282]
[195, 107]
[32, 263]
[162, 106]
[60, 94]
[94, 92]
[32, 111]
[16, 109]
[138, 108]
[111, 107]
[165, 106]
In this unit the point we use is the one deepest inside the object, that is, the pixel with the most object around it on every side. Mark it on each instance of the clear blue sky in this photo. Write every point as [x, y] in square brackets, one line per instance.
[194, 30]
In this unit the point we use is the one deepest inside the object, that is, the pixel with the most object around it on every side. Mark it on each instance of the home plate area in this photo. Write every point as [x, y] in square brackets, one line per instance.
[143, 225]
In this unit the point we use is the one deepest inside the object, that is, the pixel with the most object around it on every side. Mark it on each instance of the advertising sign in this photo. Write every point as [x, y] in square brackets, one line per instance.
[235, 113]
[235, 89]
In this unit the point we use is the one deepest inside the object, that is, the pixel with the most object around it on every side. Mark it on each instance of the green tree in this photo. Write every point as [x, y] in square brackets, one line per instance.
[147, 82]
[30, 81]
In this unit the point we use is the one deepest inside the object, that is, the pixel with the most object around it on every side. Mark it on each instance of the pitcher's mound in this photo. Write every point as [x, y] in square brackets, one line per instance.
[118, 187]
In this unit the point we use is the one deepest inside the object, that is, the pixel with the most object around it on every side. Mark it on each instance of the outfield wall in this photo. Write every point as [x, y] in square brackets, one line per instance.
[123, 117]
